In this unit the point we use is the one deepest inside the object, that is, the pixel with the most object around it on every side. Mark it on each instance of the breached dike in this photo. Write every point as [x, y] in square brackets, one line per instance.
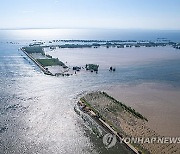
[124, 122]
[85, 107]
[37, 63]
[43, 61]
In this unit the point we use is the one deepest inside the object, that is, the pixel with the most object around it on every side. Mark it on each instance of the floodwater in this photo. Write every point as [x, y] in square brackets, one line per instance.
[37, 111]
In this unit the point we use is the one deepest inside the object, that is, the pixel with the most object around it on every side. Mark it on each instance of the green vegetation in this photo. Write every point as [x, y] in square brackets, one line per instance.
[129, 109]
[96, 44]
[34, 49]
[50, 62]
[92, 67]
[116, 43]
[75, 46]
[114, 108]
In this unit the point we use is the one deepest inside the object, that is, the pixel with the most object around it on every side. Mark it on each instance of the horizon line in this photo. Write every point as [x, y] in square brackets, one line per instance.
[31, 28]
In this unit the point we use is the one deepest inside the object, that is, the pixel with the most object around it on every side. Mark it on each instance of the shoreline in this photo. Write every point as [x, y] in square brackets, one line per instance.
[109, 43]
[123, 122]
[95, 116]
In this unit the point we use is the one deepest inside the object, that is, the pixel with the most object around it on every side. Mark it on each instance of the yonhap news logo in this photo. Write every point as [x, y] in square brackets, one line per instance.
[110, 140]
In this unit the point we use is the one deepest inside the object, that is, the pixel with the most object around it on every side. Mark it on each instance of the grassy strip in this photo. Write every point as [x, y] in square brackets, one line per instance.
[50, 62]
[129, 109]
[36, 49]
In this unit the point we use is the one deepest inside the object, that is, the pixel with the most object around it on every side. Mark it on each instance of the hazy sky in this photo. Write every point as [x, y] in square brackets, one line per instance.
[136, 14]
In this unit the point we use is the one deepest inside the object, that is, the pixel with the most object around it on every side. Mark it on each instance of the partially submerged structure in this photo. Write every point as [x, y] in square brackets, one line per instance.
[92, 67]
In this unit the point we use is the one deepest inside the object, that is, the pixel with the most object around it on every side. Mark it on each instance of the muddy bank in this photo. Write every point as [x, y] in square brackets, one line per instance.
[126, 122]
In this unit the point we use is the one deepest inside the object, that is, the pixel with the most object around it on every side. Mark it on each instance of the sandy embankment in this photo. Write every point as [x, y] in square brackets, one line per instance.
[159, 103]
